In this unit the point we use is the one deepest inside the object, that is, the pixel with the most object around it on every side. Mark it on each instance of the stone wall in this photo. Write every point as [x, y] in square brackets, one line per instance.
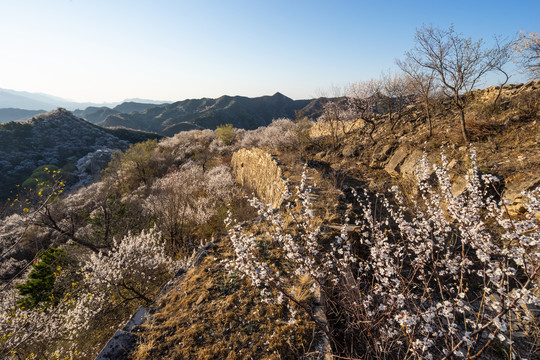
[335, 128]
[258, 171]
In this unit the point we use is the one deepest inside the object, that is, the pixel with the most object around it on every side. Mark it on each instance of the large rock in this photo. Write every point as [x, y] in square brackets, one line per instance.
[514, 190]
[410, 165]
[395, 162]
[139, 318]
[514, 194]
[90, 165]
[119, 346]
[122, 343]
[459, 185]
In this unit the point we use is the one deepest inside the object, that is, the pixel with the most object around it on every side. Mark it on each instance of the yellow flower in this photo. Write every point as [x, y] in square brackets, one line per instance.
[26, 210]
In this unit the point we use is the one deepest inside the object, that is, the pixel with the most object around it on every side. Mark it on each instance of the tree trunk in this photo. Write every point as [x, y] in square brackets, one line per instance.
[463, 125]
[460, 104]
[501, 87]
[428, 115]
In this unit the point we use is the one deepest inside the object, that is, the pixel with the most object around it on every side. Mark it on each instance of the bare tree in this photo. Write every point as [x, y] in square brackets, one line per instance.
[338, 119]
[363, 98]
[394, 91]
[459, 63]
[422, 84]
[527, 53]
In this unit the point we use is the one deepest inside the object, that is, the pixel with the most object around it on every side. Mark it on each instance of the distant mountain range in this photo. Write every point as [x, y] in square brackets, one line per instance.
[44, 102]
[13, 114]
[61, 137]
[96, 114]
[165, 119]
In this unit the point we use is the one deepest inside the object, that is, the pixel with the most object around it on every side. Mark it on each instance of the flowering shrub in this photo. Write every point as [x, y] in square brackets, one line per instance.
[449, 277]
[186, 198]
[279, 134]
[132, 270]
[186, 144]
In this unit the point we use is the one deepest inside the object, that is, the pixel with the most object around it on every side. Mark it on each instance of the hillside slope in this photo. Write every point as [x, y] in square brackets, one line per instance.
[506, 144]
[54, 138]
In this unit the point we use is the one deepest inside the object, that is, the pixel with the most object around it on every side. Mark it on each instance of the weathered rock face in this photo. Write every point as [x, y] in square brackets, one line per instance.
[91, 165]
[514, 194]
[395, 162]
[124, 341]
[257, 171]
[119, 347]
[491, 92]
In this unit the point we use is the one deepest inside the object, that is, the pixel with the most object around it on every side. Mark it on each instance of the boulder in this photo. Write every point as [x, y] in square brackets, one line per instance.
[514, 190]
[410, 164]
[394, 164]
[459, 185]
[119, 346]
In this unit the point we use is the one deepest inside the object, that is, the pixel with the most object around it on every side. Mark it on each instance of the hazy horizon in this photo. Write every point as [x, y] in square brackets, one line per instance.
[106, 52]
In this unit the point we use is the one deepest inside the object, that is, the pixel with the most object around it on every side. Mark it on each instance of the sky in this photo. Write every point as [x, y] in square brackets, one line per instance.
[110, 50]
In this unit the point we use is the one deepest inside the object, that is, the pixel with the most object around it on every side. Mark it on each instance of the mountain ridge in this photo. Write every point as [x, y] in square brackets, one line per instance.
[240, 111]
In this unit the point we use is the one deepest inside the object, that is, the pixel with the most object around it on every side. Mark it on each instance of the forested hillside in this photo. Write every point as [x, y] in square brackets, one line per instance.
[241, 112]
[59, 139]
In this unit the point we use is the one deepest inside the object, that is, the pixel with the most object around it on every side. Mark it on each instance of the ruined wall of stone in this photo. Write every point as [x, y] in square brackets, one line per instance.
[258, 171]
[335, 128]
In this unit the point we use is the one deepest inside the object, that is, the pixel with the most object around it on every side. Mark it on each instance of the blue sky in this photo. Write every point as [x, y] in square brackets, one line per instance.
[101, 51]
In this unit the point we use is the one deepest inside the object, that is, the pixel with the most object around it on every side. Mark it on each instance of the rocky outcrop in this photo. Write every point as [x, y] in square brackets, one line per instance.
[90, 165]
[394, 164]
[490, 93]
[124, 340]
[514, 194]
[404, 162]
[258, 171]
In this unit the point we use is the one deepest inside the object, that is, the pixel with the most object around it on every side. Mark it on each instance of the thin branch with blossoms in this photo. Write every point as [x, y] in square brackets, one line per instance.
[446, 278]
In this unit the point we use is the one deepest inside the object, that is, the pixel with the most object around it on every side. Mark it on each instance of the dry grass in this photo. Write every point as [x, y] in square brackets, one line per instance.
[481, 128]
[212, 314]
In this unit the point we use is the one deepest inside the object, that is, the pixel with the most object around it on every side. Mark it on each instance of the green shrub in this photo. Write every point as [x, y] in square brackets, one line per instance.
[40, 284]
[138, 165]
[225, 133]
[42, 176]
